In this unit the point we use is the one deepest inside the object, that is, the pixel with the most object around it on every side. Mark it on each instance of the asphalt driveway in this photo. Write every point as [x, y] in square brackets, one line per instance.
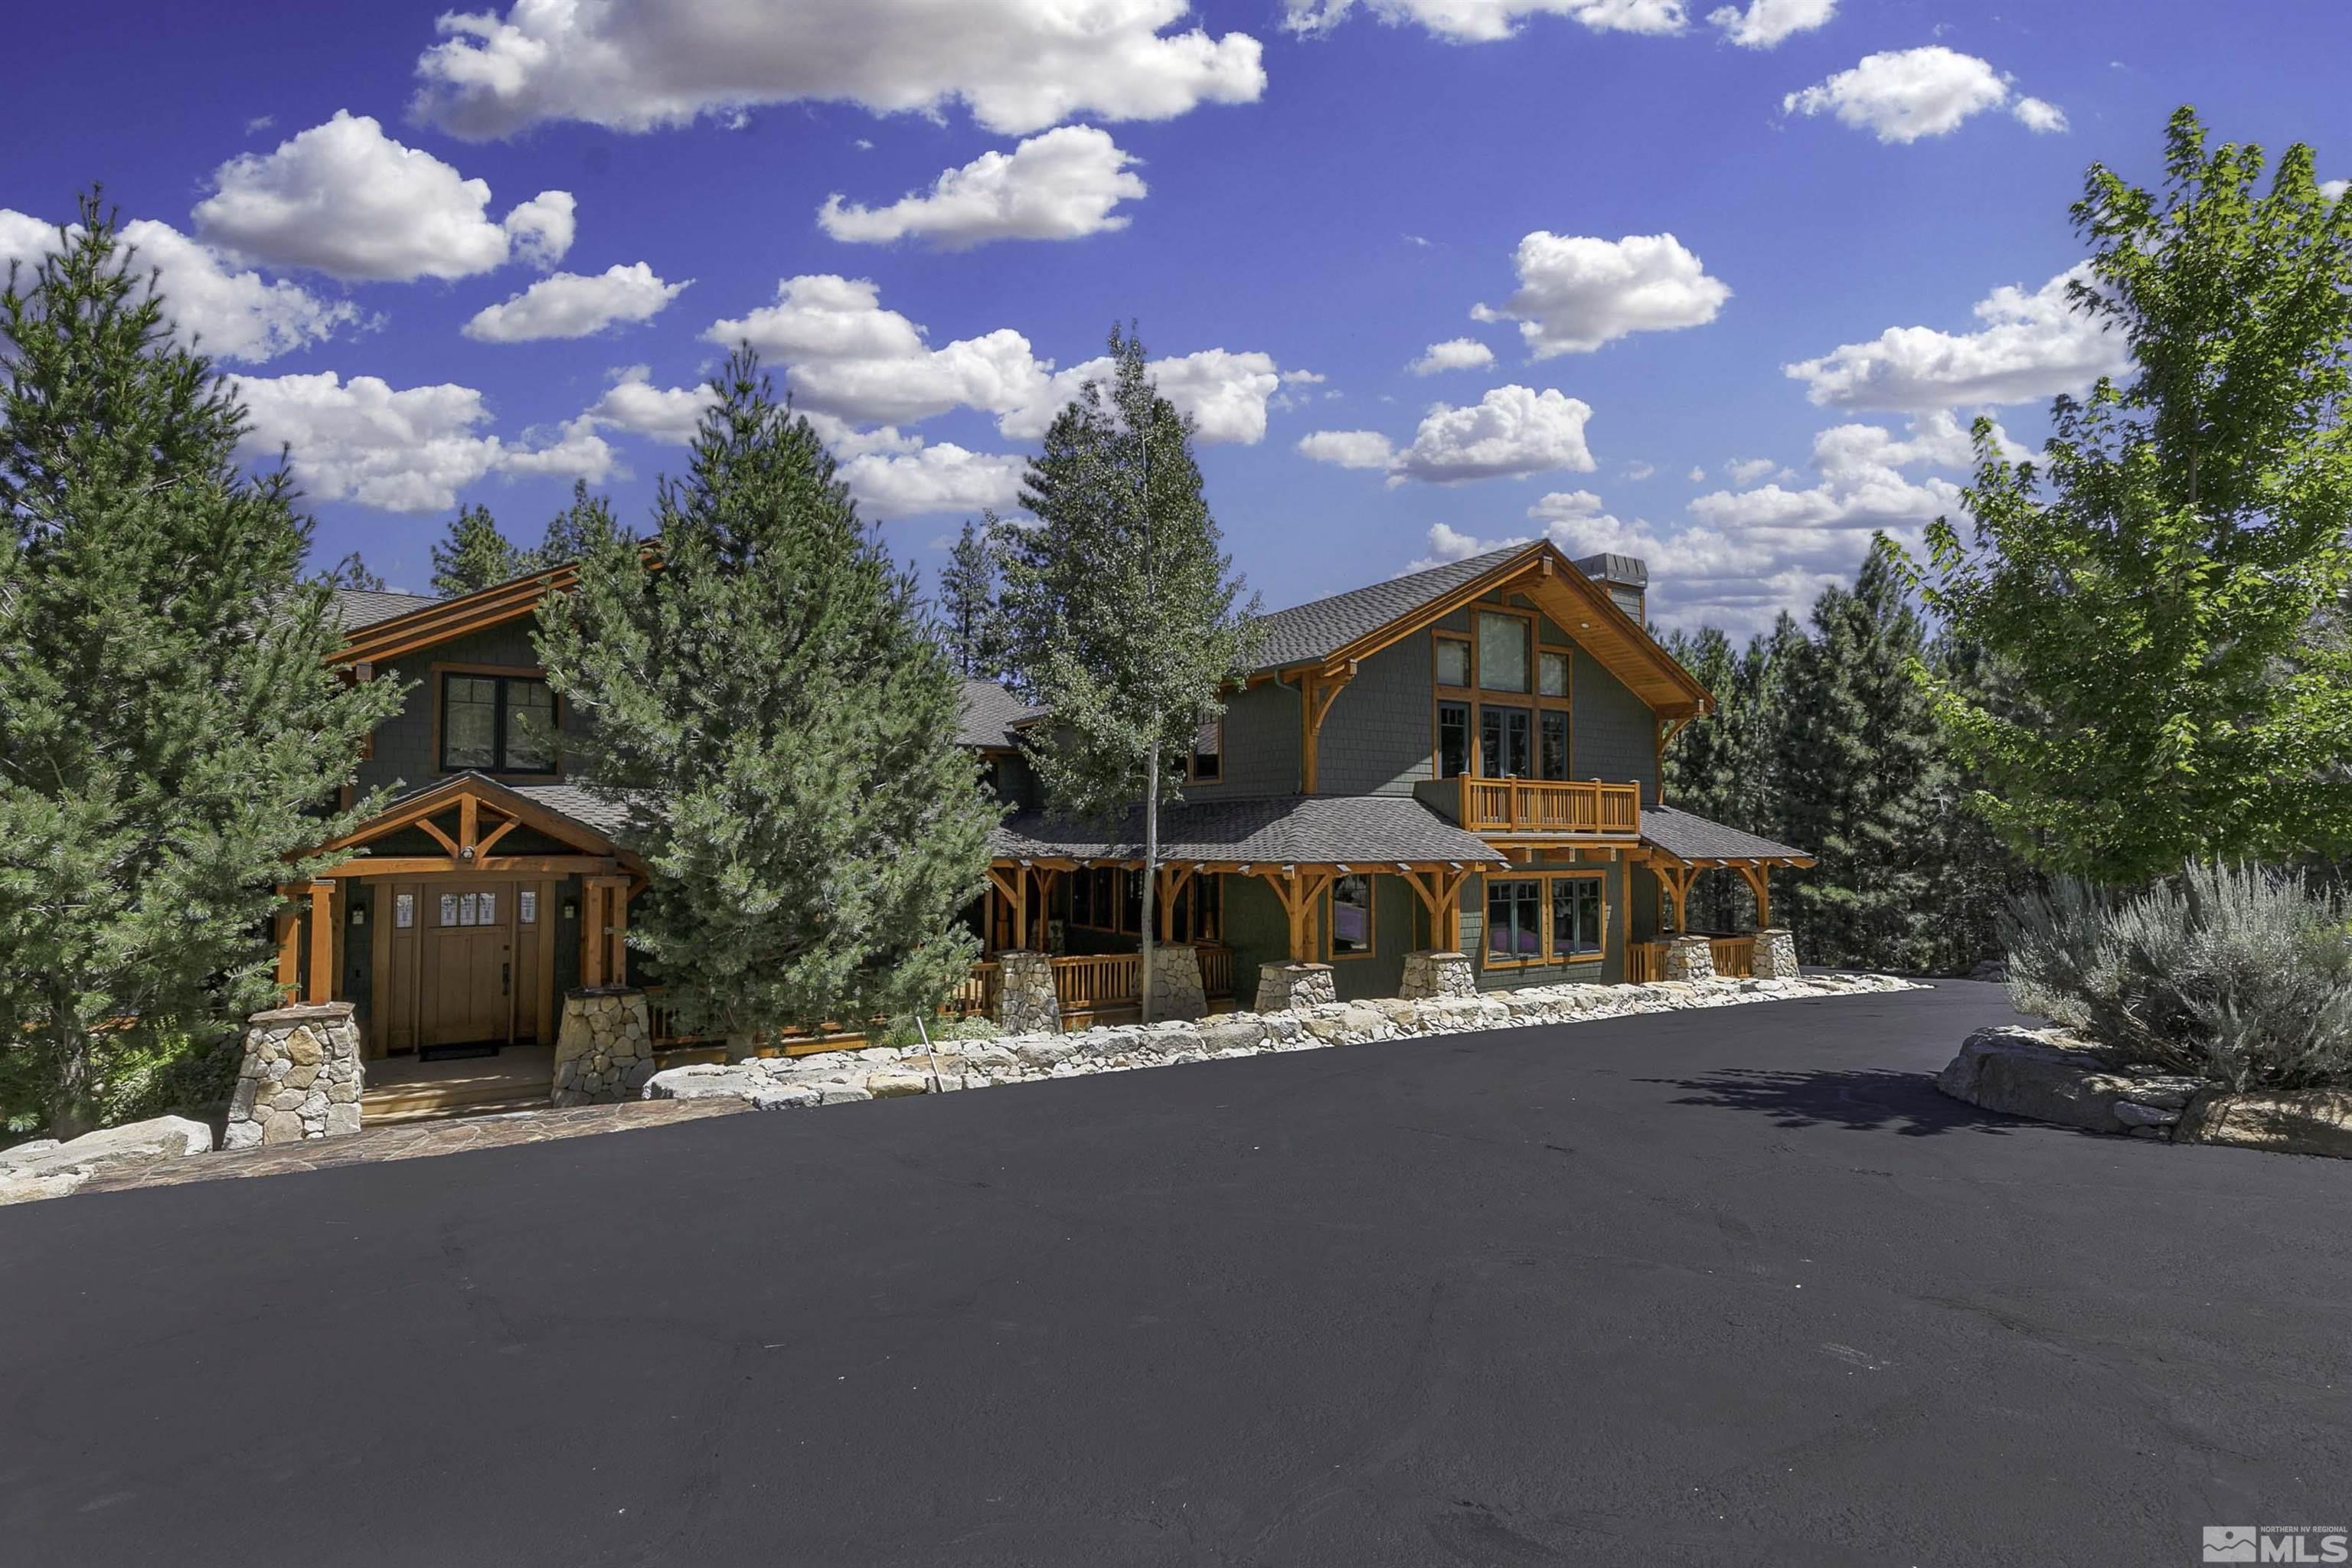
[1714, 1288]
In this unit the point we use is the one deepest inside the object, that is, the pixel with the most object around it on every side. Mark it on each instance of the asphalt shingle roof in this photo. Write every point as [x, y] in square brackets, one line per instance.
[1322, 627]
[990, 712]
[1269, 831]
[609, 818]
[1689, 837]
[355, 607]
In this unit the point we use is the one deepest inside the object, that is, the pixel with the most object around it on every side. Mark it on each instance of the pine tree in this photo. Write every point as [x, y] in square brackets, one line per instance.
[473, 554]
[169, 723]
[2157, 578]
[1703, 767]
[1861, 769]
[1120, 608]
[771, 712]
[353, 573]
[969, 619]
[577, 531]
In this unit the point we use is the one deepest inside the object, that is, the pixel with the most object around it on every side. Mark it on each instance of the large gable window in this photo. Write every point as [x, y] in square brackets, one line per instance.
[497, 724]
[1502, 652]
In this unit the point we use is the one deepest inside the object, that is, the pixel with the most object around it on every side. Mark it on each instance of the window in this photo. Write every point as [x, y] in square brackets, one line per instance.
[1453, 661]
[1502, 652]
[1452, 739]
[1551, 669]
[1557, 917]
[1575, 918]
[1503, 742]
[1513, 909]
[1208, 761]
[497, 724]
[1552, 747]
[1350, 925]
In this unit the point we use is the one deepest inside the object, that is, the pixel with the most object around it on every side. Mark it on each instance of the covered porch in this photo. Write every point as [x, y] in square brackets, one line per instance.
[1677, 847]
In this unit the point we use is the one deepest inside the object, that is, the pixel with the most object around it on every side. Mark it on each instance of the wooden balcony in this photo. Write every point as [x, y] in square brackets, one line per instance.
[1533, 806]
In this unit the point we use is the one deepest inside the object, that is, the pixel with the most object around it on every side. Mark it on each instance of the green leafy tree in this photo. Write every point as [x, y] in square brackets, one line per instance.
[969, 619]
[1121, 606]
[2159, 580]
[1861, 768]
[771, 711]
[473, 554]
[169, 723]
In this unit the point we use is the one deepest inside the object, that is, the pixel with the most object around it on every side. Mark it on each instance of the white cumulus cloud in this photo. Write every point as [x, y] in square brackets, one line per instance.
[1454, 353]
[1766, 22]
[1485, 21]
[2031, 346]
[633, 64]
[1577, 293]
[937, 477]
[345, 199]
[1903, 95]
[1748, 471]
[571, 305]
[228, 313]
[1511, 432]
[634, 403]
[849, 356]
[406, 450]
[1062, 184]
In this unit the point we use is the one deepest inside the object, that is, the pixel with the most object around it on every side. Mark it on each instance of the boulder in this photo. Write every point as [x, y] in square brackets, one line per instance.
[2026, 1072]
[1236, 1034]
[891, 1083]
[2305, 1122]
[164, 1138]
[707, 1080]
[783, 1097]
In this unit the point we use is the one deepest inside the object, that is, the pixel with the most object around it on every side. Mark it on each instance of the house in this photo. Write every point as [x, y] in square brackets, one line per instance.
[1463, 759]
[1466, 758]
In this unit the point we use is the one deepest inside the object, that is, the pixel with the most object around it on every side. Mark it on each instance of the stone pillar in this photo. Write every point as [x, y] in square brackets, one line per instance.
[1285, 987]
[1176, 988]
[604, 1049]
[1688, 958]
[1776, 955]
[301, 1077]
[1437, 974]
[1026, 1002]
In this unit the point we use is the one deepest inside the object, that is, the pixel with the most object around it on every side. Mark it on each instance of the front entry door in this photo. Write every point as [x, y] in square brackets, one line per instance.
[470, 965]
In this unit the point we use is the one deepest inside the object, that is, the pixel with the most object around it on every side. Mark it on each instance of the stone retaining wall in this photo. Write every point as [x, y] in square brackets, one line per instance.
[880, 1072]
[301, 1078]
[1026, 1001]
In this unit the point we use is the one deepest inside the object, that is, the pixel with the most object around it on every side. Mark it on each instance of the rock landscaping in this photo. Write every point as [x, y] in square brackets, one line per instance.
[881, 1072]
[2050, 1075]
[46, 1168]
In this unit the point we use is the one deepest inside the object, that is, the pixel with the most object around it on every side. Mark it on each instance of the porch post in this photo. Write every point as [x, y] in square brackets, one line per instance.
[619, 939]
[322, 941]
[290, 947]
[591, 932]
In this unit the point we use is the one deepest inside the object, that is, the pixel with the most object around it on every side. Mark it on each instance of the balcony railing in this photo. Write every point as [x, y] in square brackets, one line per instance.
[1734, 958]
[1531, 806]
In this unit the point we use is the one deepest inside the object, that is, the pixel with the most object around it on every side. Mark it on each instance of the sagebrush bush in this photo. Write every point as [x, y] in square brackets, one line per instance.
[2239, 974]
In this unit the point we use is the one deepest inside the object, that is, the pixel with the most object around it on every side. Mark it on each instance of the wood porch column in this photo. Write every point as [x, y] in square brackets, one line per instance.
[619, 938]
[1298, 892]
[1759, 882]
[591, 929]
[1171, 882]
[290, 947]
[322, 941]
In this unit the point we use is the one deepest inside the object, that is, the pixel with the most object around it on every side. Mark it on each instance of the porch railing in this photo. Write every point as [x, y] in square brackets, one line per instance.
[1734, 958]
[1088, 982]
[1532, 805]
[661, 1022]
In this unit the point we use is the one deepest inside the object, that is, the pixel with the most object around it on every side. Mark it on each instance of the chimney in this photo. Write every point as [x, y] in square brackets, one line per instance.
[1625, 577]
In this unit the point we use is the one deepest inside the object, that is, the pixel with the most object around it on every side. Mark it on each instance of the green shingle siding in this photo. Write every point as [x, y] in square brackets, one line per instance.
[1260, 744]
[402, 755]
[1376, 737]
[1612, 733]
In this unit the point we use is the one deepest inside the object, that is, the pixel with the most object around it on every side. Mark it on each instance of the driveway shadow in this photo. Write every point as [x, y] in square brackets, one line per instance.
[1862, 1101]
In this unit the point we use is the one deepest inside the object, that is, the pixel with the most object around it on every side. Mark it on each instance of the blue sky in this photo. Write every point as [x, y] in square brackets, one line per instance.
[1629, 219]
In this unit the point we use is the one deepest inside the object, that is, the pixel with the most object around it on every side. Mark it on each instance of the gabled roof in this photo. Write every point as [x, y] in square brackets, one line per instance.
[355, 607]
[1321, 627]
[1692, 838]
[563, 812]
[431, 621]
[991, 715]
[1328, 634]
[1367, 831]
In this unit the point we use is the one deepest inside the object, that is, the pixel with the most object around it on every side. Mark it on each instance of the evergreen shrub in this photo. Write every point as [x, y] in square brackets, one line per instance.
[2238, 975]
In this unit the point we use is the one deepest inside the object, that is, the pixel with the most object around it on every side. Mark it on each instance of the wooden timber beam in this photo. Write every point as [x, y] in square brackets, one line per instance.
[365, 865]
[322, 941]
[1318, 690]
[290, 947]
[1758, 883]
